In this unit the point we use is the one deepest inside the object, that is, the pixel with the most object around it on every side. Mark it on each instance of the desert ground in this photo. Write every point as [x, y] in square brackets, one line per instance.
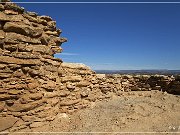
[152, 112]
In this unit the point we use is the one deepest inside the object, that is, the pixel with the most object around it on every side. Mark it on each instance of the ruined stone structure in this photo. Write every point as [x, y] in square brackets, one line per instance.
[35, 86]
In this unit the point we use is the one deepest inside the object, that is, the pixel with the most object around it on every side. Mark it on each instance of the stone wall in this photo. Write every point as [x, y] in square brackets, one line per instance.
[28, 71]
[35, 86]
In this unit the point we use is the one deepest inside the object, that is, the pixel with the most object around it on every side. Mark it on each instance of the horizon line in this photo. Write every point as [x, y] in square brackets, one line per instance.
[97, 2]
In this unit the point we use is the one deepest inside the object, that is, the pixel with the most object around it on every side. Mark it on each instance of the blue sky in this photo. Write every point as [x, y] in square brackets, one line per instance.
[117, 36]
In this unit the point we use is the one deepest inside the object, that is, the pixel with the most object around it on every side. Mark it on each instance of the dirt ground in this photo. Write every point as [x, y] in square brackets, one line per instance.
[138, 112]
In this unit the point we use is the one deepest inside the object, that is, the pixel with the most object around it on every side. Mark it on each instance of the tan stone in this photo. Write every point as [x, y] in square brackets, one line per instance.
[51, 94]
[11, 60]
[24, 55]
[16, 38]
[33, 14]
[2, 91]
[83, 84]
[6, 97]
[74, 65]
[53, 101]
[85, 92]
[28, 118]
[40, 48]
[7, 122]
[51, 62]
[50, 86]
[2, 104]
[3, 17]
[70, 86]
[14, 7]
[2, 34]
[55, 33]
[41, 21]
[33, 85]
[36, 96]
[64, 93]
[45, 39]
[10, 12]
[47, 18]
[37, 124]
[14, 18]
[71, 79]
[17, 107]
[69, 102]
[23, 29]
[14, 92]
[30, 18]
[51, 24]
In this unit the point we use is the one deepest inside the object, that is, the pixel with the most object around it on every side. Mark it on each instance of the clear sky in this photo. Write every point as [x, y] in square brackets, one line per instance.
[117, 36]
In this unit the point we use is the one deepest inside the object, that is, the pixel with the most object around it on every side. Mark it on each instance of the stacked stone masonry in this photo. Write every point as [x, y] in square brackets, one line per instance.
[35, 86]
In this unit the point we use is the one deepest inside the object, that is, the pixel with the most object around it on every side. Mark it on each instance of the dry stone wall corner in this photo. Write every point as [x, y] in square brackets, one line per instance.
[35, 86]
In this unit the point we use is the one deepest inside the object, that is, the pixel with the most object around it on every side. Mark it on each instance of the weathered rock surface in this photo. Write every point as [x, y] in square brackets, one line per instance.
[7, 122]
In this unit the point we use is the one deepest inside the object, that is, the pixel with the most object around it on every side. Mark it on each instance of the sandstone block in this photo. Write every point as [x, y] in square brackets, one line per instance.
[64, 93]
[28, 118]
[33, 85]
[33, 14]
[56, 49]
[16, 18]
[17, 107]
[13, 18]
[2, 34]
[55, 33]
[16, 38]
[85, 92]
[83, 84]
[70, 86]
[35, 96]
[2, 105]
[50, 86]
[11, 60]
[53, 101]
[6, 97]
[41, 21]
[40, 49]
[11, 48]
[23, 29]
[71, 79]
[75, 66]
[7, 122]
[4, 17]
[51, 62]
[47, 18]
[24, 55]
[52, 25]
[10, 12]
[45, 39]
[30, 18]
[14, 92]
[14, 7]
[37, 124]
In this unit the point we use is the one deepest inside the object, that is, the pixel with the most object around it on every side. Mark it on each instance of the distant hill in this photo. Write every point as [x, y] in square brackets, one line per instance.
[165, 72]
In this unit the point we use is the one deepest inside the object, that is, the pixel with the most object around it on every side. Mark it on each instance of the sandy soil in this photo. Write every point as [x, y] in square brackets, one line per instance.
[152, 111]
